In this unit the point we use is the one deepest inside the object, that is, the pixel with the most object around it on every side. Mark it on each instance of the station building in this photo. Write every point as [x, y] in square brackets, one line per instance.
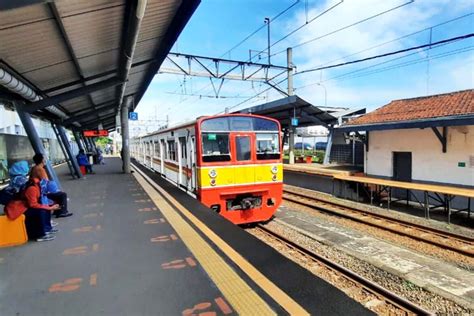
[426, 139]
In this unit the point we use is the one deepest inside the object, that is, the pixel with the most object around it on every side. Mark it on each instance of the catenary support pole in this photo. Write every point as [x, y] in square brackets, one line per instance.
[291, 143]
[291, 128]
[35, 140]
[67, 146]
[125, 141]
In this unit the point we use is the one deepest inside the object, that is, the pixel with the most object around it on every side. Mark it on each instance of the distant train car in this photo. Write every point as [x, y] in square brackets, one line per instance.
[231, 163]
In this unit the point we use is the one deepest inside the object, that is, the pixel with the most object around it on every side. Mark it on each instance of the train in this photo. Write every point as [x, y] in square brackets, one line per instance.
[232, 163]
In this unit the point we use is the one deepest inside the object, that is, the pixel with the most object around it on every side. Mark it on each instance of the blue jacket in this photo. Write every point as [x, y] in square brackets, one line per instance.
[82, 160]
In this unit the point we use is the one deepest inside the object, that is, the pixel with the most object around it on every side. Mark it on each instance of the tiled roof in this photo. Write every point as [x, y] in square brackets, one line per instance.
[450, 104]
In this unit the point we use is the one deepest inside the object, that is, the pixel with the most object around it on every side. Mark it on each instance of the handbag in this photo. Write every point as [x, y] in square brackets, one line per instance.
[15, 208]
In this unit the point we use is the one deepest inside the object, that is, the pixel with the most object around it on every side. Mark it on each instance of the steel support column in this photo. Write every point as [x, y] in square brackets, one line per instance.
[35, 140]
[63, 150]
[327, 153]
[125, 141]
[67, 146]
[78, 140]
[291, 144]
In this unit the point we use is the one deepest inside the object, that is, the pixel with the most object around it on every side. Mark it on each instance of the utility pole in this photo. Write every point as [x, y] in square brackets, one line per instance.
[291, 128]
[267, 22]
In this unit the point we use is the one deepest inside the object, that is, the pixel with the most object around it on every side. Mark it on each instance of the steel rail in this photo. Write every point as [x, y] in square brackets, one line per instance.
[370, 286]
[439, 233]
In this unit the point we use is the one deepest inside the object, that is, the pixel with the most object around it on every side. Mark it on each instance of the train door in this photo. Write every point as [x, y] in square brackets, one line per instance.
[162, 156]
[192, 163]
[183, 158]
[180, 162]
[244, 153]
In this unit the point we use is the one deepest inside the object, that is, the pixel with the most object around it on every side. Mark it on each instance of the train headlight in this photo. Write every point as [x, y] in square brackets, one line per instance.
[212, 173]
[274, 177]
[274, 169]
[213, 182]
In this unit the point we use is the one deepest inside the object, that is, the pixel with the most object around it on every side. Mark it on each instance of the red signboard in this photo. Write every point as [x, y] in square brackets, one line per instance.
[96, 133]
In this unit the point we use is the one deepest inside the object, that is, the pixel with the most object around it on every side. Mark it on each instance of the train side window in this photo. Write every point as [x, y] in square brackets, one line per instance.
[164, 148]
[268, 146]
[215, 147]
[171, 150]
[182, 142]
[157, 149]
[242, 144]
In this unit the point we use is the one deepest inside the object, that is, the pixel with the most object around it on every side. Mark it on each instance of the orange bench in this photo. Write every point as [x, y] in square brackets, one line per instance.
[12, 233]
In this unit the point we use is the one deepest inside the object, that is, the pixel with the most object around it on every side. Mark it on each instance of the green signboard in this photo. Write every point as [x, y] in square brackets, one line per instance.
[211, 137]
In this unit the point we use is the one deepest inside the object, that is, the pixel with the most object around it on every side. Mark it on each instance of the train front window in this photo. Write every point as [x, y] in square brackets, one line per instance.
[242, 145]
[268, 146]
[215, 147]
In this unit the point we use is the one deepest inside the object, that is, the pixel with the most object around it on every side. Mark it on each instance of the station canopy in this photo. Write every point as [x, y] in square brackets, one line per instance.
[307, 114]
[72, 58]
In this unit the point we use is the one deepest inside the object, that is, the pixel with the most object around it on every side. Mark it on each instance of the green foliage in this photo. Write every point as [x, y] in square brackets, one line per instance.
[102, 141]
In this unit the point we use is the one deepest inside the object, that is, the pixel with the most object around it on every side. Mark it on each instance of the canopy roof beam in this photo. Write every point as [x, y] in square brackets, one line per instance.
[41, 104]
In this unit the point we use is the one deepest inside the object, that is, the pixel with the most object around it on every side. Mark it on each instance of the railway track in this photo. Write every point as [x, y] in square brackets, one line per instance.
[442, 239]
[381, 293]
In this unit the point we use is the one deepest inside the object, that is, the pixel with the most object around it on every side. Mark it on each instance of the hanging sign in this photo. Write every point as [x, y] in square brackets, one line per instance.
[133, 116]
[294, 121]
[96, 133]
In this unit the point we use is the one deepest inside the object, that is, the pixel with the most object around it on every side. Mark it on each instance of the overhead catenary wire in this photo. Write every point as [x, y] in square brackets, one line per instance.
[452, 39]
[413, 62]
[347, 26]
[307, 22]
[439, 43]
[260, 28]
[355, 74]
[281, 13]
[399, 38]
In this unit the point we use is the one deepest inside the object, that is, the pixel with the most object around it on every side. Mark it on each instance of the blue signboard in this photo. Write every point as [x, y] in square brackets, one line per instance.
[133, 116]
[294, 121]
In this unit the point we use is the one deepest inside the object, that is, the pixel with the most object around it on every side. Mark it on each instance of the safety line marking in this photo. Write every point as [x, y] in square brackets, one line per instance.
[244, 300]
[237, 292]
[93, 279]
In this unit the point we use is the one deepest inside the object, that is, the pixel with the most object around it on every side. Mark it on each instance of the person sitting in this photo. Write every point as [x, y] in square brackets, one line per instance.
[52, 191]
[83, 161]
[27, 202]
[38, 215]
[100, 158]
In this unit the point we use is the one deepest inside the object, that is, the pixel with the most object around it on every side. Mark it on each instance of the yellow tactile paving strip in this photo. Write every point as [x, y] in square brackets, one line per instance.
[241, 296]
[244, 300]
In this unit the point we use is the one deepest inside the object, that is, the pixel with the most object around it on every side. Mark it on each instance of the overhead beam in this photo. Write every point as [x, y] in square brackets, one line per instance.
[67, 42]
[97, 121]
[41, 104]
[75, 118]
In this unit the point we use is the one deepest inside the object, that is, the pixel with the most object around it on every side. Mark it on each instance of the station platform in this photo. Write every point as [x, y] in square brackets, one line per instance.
[318, 169]
[137, 245]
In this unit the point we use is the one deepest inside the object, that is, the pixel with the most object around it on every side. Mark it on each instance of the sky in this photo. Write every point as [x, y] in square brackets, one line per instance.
[325, 37]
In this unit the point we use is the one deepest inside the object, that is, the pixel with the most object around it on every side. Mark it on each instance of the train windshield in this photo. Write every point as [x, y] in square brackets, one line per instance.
[215, 147]
[268, 146]
[215, 137]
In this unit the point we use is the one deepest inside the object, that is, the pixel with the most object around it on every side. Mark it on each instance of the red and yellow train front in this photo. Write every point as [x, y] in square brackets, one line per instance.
[240, 174]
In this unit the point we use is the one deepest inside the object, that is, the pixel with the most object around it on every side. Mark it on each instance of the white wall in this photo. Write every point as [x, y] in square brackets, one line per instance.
[429, 163]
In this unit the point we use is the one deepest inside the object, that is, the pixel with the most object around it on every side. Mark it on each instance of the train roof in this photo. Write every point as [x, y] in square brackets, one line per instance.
[189, 123]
